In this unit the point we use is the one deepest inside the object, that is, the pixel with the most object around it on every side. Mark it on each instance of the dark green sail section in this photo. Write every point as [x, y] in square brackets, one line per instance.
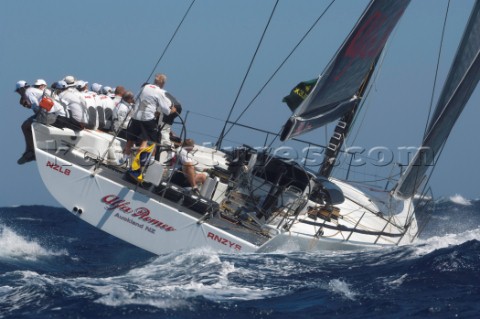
[334, 92]
[459, 86]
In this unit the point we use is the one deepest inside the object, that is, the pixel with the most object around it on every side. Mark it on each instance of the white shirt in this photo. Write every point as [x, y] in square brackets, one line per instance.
[117, 100]
[106, 103]
[76, 104]
[90, 98]
[121, 115]
[185, 157]
[152, 99]
[34, 96]
[58, 109]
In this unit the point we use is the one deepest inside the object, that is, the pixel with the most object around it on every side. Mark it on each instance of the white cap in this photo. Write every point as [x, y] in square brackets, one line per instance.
[80, 84]
[70, 80]
[20, 84]
[96, 87]
[40, 82]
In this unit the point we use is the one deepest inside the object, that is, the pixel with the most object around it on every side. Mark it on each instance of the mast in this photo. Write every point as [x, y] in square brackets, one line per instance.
[459, 86]
[342, 129]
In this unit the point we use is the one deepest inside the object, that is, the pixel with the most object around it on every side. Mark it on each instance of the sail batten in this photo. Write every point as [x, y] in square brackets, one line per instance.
[346, 72]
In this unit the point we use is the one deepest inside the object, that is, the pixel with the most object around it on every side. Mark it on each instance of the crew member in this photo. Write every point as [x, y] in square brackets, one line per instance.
[143, 126]
[30, 99]
[188, 165]
[75, 103]
[122, 114]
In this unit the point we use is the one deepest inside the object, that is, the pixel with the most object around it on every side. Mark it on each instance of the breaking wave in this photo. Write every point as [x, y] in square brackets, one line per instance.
[460, 200]
[66, 268]
[13, 245]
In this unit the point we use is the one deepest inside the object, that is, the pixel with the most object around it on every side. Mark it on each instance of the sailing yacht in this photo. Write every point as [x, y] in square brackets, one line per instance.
[253, 200]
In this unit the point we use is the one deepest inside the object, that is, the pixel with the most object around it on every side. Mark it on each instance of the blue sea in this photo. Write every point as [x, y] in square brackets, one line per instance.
[53, 265]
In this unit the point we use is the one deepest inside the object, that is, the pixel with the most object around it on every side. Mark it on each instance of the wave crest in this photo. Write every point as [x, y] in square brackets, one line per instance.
[13, 245]
[460, 200]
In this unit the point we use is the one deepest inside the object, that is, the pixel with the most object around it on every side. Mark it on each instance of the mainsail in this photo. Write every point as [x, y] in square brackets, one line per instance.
[334, 92]
[460, 84]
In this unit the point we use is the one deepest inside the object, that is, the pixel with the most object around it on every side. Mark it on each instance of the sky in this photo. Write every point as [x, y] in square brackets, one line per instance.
[119, 42]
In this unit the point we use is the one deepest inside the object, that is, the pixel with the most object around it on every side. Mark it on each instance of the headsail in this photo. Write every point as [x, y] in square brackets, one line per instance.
[334, 93]
[460, 84]
[466, 52]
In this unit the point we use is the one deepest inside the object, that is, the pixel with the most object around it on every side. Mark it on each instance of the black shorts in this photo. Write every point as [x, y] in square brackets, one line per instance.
[143, 130]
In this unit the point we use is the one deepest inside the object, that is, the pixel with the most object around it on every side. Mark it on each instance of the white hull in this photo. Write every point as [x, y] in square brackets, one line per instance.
[159, 225]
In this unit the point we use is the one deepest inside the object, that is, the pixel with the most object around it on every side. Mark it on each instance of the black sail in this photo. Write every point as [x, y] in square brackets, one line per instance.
[334, 92]
[459, 86]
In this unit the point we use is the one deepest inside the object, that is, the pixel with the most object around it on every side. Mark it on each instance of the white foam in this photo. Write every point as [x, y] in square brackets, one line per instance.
[169, 280]
[340, 287]
[13, 245]
[30, 219]
[122, 298]
[5, 289]
[459, 199]
[437, 242]
[399, 281]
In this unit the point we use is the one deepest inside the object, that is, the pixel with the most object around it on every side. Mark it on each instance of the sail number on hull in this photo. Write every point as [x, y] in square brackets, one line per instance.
[59, 168]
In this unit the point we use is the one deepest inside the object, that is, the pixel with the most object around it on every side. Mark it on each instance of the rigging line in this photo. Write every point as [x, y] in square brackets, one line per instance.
[326, 134]
[207, 116]
[148, 79]
[431, 98]
[427, 180]
[171, 39]
[281, 65]
[365, 103]
[269, 155]
[436, 70]
[437, 157]
[362, 94]
[275, 138]
[222, 134]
